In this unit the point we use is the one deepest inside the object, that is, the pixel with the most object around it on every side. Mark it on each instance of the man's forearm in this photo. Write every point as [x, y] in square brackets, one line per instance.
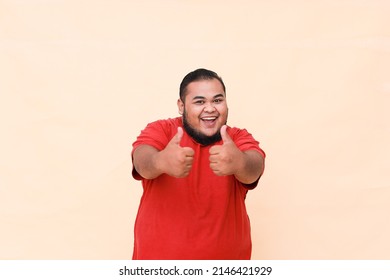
[252, 167]
[145, 162]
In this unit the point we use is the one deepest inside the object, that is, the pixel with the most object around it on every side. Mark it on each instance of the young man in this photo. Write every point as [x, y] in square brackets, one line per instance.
[195, 172]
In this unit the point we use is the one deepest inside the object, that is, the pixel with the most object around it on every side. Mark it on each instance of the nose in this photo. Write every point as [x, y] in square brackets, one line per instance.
[209, 108]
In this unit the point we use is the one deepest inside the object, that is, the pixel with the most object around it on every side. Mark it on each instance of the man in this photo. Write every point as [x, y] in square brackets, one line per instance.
[195, 172]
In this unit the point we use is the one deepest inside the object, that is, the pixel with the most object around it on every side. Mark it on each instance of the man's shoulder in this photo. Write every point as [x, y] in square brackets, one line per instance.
[244, 140]
[158, 133]
[169, 122]
[235, 132]
[162, 127]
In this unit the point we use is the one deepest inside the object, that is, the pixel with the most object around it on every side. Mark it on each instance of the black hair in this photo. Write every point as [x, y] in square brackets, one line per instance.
[197, 75]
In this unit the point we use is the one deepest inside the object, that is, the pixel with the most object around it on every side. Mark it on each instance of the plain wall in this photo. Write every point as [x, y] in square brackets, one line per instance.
[80, 79]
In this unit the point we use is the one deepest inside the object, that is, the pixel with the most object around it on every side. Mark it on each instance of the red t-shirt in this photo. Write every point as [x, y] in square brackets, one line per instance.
[201, 216]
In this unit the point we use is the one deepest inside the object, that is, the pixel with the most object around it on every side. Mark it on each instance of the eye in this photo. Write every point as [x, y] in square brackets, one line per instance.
[199, 102]
[218, 100]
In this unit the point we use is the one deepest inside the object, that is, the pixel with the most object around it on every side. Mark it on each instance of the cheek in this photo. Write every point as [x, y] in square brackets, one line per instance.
[193, 112]
[223, 110]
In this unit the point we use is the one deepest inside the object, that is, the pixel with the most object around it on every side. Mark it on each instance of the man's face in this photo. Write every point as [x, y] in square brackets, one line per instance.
[204, 108]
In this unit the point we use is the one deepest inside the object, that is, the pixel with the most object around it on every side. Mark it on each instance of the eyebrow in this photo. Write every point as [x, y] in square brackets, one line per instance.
[202, 97]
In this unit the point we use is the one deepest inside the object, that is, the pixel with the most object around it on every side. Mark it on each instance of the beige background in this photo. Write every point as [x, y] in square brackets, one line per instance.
[80, 79]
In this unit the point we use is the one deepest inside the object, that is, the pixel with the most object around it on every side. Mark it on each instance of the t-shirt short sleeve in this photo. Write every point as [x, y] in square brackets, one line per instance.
[245, 141]
[156, 134]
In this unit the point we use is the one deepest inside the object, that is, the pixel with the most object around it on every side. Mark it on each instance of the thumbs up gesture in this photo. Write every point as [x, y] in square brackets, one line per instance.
[225, 159]
[177, 160]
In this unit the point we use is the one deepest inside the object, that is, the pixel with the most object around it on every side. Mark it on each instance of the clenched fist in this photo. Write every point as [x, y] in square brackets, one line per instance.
[177, 160]
[225, 159]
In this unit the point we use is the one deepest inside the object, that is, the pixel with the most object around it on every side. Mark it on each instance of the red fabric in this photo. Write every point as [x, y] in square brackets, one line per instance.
[202, 216]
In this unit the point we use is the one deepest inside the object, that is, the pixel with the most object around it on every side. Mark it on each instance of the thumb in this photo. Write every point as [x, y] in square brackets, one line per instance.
[177, 138]
[224, 135]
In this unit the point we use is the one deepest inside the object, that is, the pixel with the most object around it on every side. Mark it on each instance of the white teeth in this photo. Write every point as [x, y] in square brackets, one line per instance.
[209, 119]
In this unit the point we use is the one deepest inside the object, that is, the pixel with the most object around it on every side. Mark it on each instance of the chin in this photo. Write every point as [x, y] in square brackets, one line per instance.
[210, 133]
[204, 138]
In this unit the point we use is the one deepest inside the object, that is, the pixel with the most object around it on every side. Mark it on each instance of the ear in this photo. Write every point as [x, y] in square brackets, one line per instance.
[180, 106]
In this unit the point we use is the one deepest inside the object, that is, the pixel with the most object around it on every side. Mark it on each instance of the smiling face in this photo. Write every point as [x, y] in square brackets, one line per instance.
[204, 110]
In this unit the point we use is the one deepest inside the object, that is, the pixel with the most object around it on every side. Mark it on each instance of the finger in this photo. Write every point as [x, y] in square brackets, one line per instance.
[224, 135]
[189, 160]
[215, 149]
[215, 169]
[213, 159]
[179, 135]
[189, 152]
[177, 138]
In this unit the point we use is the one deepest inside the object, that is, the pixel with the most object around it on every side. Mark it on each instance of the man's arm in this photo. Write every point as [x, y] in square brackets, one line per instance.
[252, 167]
[174, 160]
[227, 159]
[144, 161]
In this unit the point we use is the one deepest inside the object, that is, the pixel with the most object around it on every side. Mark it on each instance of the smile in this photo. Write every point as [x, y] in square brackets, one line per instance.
[209, 119]
[209, 122]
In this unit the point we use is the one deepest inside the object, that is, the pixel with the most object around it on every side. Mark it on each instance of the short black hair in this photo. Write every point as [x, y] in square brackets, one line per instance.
[198, 75]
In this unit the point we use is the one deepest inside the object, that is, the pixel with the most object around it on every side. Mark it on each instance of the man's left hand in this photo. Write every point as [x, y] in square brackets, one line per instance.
[225, 159]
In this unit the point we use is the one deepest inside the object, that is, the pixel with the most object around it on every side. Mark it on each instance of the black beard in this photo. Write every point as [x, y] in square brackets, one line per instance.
[198, 136]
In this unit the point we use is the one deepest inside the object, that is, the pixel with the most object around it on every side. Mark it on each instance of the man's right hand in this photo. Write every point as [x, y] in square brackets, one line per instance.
[175, 160]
